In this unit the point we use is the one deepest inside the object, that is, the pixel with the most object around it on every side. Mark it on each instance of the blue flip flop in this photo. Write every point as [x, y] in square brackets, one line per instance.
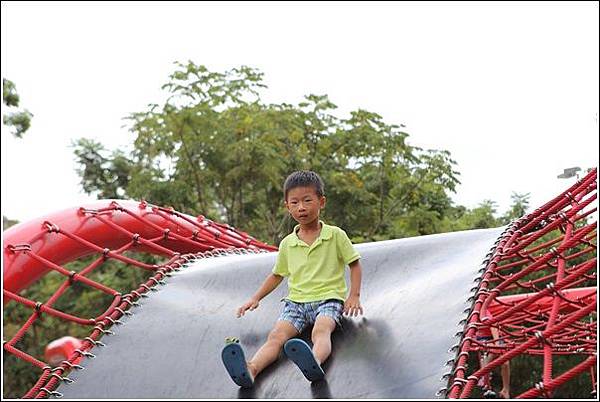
[300, 353]
[235, 363]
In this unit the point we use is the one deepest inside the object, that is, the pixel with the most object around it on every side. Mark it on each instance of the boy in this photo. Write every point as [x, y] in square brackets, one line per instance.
[487, 335]
[312, 257]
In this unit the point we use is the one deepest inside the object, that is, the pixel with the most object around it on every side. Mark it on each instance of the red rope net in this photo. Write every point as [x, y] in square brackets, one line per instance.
[537, 296]
[545, 254]
[207, 238]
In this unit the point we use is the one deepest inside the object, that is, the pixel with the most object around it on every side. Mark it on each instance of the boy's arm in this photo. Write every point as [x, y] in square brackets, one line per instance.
[352, 306]
[270, 283]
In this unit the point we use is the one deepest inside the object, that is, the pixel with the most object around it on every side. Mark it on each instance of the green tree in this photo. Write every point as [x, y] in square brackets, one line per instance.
[6, 223]
[215, 148]
[462, 218]
[20, 121]
[106, 174]
[520, 203]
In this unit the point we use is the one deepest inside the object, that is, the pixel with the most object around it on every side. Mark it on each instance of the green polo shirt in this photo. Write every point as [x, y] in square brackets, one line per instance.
[316, 272]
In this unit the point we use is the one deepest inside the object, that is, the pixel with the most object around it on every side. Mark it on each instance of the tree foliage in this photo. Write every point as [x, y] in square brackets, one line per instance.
[6, 222]
[520, 204]
[215, 148]
[20, 120]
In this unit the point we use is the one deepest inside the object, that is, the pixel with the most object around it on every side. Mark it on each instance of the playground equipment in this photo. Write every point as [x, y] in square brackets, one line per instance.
[423, 301]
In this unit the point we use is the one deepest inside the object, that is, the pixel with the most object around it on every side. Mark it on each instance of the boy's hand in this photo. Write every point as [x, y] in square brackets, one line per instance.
[251, 305]
[352, 306]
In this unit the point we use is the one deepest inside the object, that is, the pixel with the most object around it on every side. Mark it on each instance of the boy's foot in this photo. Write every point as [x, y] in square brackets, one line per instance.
[300, 353]
[235, 363]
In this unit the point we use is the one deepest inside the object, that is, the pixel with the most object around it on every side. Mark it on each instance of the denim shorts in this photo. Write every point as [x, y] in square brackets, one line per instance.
[300, 315]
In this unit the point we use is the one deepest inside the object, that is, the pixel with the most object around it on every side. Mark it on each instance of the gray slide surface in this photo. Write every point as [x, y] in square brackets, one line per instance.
[414, 292]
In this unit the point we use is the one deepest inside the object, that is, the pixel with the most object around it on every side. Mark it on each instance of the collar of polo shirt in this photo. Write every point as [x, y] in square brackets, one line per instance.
[325, 234]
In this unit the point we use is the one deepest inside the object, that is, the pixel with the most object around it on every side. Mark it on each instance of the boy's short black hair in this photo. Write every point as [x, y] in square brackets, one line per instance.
[304, 178]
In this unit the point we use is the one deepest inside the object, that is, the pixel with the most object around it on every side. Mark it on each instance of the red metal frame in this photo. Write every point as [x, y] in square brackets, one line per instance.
[113, 224]
[107, 228]
[554, 317]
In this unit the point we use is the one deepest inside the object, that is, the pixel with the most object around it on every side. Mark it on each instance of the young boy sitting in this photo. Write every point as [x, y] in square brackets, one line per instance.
[313, 258]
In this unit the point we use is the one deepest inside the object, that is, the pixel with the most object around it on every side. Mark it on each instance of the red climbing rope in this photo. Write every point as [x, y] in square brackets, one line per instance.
[538, 289]
[33, 249]
[547, 254]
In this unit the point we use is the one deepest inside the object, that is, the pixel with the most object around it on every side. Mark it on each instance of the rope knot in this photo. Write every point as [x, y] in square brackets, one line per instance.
[51, 227]
[19, 247]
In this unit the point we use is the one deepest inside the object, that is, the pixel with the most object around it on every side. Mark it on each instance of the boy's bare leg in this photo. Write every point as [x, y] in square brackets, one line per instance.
[269, 352]
[321, 337]
[505, 373]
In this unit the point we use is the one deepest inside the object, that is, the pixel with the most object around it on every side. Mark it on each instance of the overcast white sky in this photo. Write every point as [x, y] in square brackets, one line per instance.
[511, 90]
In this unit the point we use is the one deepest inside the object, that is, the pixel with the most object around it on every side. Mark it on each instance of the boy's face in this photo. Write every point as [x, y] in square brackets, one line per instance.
[304, 204]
